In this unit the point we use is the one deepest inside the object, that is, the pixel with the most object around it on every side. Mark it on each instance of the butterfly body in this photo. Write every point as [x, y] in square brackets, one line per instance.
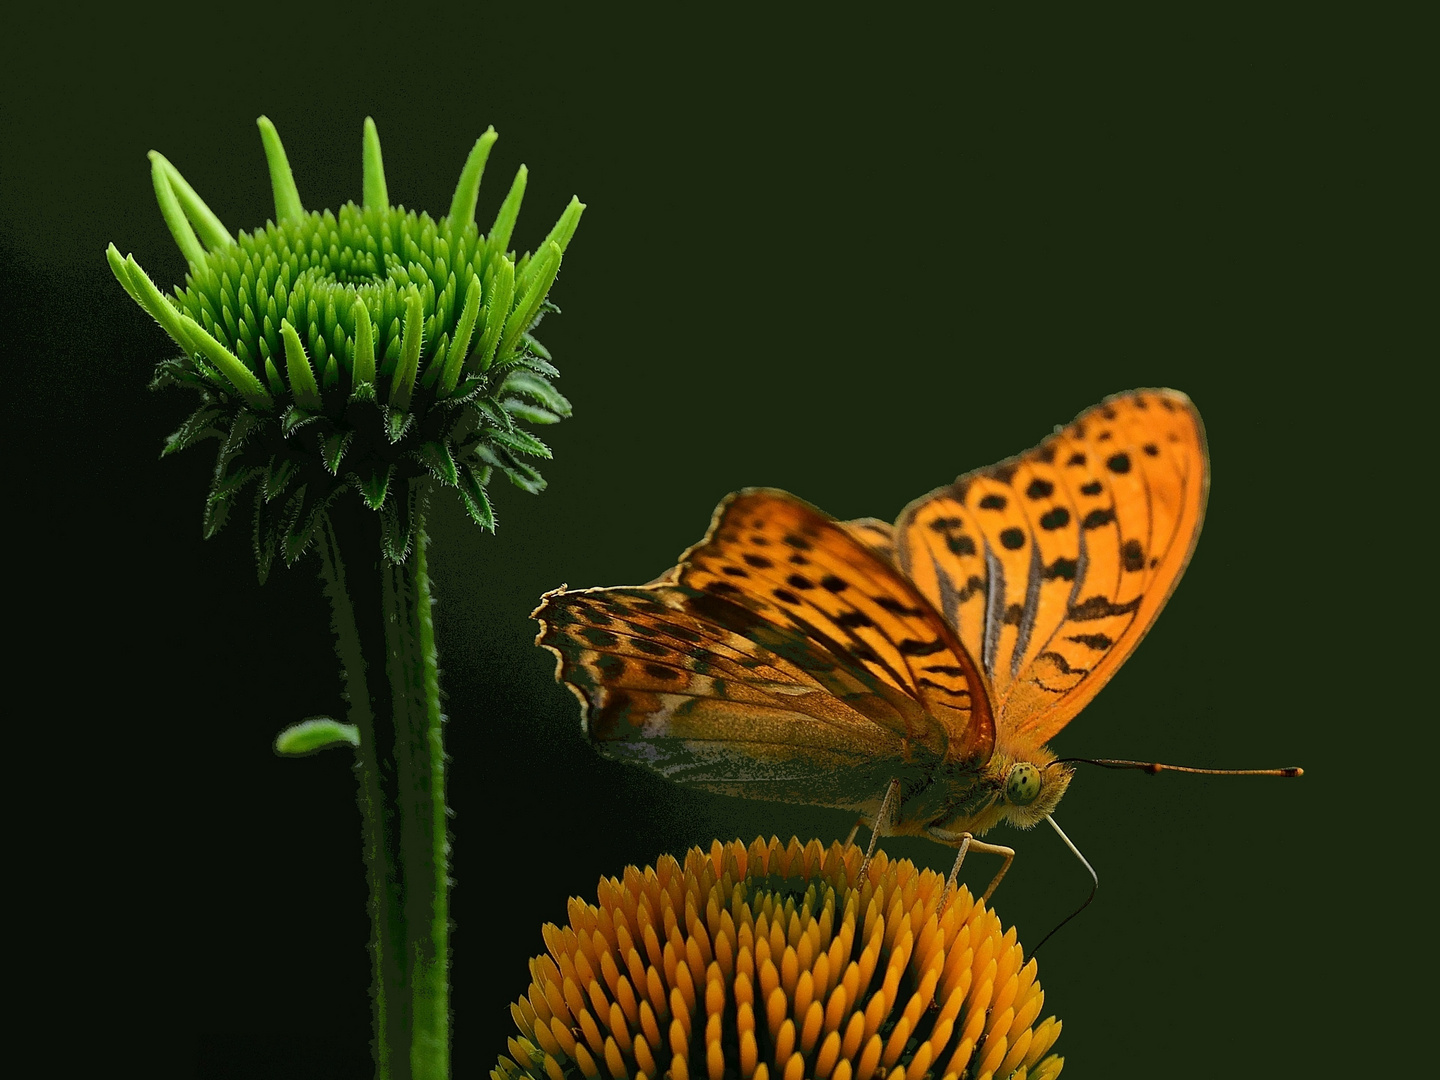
[796, 658]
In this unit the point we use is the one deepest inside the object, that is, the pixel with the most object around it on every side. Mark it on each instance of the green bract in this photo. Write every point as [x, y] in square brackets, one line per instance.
[366, 349]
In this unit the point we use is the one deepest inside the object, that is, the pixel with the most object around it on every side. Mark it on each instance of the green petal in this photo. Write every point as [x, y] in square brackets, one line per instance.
[282, 181]
[502, 294]
[211, 229]
[241, 377]
[364, 368]
[297, 366]
[464, 330]
[499, 238]
[410, 345]
[185, 237]
[376, 197]
[467, 191]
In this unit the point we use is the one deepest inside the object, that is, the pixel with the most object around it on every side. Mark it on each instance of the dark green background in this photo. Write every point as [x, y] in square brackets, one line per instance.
[849, 259]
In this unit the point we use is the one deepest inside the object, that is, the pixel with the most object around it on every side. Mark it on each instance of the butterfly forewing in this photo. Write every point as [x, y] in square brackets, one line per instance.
[1052, 565]
[800, 570]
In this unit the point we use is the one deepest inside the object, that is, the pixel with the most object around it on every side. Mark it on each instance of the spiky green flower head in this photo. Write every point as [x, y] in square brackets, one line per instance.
[363, 351]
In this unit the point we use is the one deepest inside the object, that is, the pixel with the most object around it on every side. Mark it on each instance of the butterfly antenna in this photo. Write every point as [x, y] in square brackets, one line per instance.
[1153, 767]
[1094, 877]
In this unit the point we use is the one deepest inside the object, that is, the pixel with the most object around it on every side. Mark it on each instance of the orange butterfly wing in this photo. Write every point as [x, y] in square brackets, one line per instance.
[1051, 566]
[784, 658]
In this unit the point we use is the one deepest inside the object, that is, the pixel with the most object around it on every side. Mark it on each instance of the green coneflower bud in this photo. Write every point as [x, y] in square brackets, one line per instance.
[362, 349]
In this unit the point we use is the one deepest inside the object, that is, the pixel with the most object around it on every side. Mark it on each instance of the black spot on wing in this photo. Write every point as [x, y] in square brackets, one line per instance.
[1118, 463]
[1054, 519]
[734, 571]
[760, 562]
[1012, 539]
[1061, 568]
[1096, 518]
[910, 647]
[851, 619]
[1100, 607]
[897, 607]
[1133, 555]
[833, 583]
[660, 671]
[993, 502]
[960, 545]
[1094, 487]
[799, 581]
[785, 596]
[1039, 489]
[797, 541]
[1098, 642]
[1063, 664]
[1013, 614]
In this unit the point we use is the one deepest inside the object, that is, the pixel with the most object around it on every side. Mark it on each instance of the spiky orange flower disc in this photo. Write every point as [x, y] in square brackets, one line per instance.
[767, 961]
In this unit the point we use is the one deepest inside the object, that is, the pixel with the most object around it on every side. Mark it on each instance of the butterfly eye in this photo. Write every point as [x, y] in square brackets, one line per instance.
[1022, 784]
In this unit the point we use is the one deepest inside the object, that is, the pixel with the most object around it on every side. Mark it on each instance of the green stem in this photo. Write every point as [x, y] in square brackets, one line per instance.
[383, 611]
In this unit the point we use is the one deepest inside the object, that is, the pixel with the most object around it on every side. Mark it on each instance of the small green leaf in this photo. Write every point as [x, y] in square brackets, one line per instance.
[397, 525]
[333, 449]
[535, 414]
[374, 488]
[494, 412]
[304, 518]
[534, 386]
[315, 734]
[198, 425]
[264, 534]
[520, 474]
[522, 442]
[472, 494]
[436, 457]
[396, 424]
[278, 476]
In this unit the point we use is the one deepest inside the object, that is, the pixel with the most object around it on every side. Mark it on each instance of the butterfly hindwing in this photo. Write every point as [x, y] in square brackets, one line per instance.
[1052, 565]
[784, 658]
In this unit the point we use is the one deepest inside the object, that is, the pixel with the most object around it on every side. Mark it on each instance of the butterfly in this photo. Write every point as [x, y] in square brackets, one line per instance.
[793, 657]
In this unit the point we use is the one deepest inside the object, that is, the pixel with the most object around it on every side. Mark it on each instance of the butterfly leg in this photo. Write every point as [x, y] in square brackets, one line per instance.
[892, 791]
[969, 843]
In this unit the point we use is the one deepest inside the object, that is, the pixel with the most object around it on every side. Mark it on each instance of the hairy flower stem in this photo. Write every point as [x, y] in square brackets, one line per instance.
[381, 610]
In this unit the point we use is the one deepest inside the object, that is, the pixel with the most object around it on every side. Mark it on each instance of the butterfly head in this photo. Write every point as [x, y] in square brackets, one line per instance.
[1031, 787]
